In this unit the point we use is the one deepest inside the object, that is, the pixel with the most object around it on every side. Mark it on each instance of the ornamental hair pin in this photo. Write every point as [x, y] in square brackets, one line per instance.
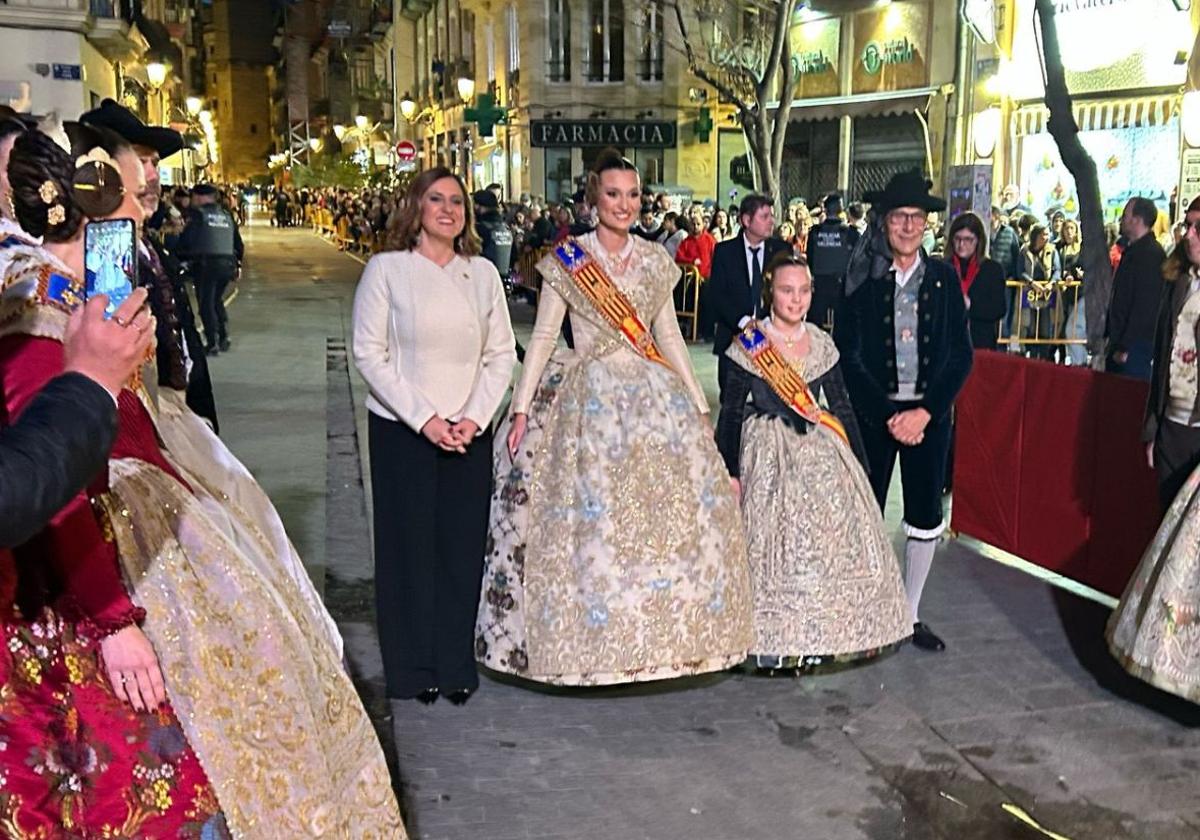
[48, 193]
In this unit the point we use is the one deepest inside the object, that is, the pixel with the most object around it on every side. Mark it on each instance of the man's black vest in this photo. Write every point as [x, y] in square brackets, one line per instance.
[214, 232]
[830, 247]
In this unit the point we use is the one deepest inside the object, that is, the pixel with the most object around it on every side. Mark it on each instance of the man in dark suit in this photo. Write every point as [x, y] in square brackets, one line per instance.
[61, 441]
[733, 293]
[1137, 286]
[1171, 428]
[182, 365]
[906, 352]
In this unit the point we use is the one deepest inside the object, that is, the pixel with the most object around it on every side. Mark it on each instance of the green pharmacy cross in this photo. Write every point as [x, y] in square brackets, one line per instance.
[486, 114]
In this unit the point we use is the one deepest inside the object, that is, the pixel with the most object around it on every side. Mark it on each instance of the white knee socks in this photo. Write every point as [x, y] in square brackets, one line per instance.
[918, 559]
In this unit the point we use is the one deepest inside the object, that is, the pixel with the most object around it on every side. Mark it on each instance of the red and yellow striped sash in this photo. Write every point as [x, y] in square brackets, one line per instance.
[785, 380]
[609, 301]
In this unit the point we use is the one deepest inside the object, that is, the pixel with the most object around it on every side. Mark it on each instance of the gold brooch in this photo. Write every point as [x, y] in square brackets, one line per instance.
[48, 191]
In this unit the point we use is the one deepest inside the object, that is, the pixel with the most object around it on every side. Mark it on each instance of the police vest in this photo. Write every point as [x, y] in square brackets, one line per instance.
[214, 232]
[497, 243]
[830, 247]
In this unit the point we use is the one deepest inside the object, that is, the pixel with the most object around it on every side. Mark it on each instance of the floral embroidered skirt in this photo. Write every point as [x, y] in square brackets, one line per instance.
[1155, 630]
[826, 580]
[77, 762]
[616, 552]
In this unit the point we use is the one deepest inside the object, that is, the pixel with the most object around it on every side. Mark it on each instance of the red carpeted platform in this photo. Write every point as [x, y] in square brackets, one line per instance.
[1049, 467]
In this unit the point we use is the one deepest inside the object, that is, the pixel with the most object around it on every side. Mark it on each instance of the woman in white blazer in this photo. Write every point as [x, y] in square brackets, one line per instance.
[433, 340]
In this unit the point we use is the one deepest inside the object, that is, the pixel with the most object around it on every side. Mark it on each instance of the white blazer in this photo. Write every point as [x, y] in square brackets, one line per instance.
[432, 340]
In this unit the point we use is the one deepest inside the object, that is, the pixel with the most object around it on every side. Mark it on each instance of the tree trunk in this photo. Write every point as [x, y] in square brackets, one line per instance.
[765, 131]
[1097, 270]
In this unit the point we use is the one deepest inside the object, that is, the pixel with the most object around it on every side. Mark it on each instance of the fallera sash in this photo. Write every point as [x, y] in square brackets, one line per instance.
[785, 380]
[600, 290]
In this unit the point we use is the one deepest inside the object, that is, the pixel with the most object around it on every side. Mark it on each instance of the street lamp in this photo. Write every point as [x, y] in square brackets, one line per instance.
[466, 89]
[156, 74]
[408, 108]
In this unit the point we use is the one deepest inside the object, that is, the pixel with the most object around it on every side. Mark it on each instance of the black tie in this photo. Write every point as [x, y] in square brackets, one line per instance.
[755, 283]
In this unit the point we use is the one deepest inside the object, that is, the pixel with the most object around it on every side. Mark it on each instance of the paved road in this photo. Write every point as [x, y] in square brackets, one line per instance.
[1024, 710]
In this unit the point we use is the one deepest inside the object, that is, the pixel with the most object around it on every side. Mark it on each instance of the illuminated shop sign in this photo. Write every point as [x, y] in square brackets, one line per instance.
[583, 133]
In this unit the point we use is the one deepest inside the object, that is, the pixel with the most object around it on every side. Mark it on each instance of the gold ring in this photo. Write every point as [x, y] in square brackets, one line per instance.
[121, 322]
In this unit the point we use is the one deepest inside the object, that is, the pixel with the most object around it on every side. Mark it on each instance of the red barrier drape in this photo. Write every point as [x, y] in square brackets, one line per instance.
[1049, 467]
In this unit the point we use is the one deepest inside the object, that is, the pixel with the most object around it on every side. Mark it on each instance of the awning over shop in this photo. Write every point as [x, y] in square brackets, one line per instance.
[1095, 115]
[860, 105]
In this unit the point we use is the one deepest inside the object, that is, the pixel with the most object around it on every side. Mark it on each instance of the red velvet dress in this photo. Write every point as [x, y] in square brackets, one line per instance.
[74, 760]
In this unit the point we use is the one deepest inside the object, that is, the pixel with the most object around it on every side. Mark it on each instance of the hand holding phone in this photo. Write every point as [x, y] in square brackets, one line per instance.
[110, 261]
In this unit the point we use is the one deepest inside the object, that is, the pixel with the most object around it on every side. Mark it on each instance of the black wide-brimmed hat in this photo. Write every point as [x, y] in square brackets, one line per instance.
[120, 119]
[907, 189]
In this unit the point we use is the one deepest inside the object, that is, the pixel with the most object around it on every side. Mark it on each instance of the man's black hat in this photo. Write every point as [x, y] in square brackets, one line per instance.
[486, 199]
[124, 122]
[907, 189]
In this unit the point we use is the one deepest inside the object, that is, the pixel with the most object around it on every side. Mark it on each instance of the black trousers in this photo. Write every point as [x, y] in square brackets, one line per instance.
[211, 284]
[922, 471]
[431, 521]
[1176, 455]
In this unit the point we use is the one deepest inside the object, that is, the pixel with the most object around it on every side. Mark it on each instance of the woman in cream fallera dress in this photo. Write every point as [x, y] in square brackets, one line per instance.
[616, 551]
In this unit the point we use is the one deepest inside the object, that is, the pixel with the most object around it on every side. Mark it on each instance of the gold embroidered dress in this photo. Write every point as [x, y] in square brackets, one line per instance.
[1155, 630]
[826, 580]
[616, 551]
[249, 666]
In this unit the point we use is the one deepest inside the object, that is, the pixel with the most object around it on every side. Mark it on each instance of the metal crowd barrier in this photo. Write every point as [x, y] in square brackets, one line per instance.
[527, 278]
[687, 299]
[1043, 316]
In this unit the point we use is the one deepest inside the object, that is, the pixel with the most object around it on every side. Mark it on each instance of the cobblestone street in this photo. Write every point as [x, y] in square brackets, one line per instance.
[1024, 721]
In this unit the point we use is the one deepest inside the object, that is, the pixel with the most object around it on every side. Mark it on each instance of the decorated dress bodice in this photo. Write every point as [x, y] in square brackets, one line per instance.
[646, 274]
[72, 562]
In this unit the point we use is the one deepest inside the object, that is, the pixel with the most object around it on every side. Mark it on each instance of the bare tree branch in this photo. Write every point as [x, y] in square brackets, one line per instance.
[700, 72]
[1097, 270]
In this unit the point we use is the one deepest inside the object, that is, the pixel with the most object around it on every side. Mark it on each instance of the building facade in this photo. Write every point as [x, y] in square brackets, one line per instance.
[574, 76]
[67, 55]
[239, 49]
[1126, 64]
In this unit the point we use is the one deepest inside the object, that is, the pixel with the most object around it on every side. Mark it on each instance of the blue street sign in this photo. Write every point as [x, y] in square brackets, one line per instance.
[68, 72]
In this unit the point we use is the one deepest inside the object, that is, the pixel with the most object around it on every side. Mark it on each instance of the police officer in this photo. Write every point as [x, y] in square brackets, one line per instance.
[213, 248]
[496, 235]
[829, 247]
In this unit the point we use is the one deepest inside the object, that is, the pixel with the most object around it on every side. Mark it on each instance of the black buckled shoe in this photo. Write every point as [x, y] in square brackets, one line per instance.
[926, 639]
[224, 345]
[428, 696]
[459, 696]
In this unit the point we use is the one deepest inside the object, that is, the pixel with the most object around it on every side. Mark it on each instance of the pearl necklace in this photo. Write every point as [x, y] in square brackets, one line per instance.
[788, 341]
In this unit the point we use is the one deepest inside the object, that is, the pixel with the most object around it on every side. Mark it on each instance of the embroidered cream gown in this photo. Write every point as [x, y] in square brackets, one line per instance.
[827, 583]
[616, 552]
[1155, 630]
[252, 667]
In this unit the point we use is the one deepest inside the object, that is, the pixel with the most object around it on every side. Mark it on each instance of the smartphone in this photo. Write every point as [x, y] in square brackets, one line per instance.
[110, 261]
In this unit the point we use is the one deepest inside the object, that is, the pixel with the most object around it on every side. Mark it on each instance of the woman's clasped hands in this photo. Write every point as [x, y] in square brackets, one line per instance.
[451, 437]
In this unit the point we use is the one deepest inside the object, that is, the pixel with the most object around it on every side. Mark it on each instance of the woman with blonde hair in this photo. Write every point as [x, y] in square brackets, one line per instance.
[616, 550]
[827, 584]
[432, 339]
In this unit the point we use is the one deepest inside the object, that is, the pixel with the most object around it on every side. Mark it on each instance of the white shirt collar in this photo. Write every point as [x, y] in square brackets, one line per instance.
[903, 275]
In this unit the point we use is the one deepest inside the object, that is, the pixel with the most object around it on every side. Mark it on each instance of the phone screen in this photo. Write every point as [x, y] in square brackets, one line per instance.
[110, 260]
